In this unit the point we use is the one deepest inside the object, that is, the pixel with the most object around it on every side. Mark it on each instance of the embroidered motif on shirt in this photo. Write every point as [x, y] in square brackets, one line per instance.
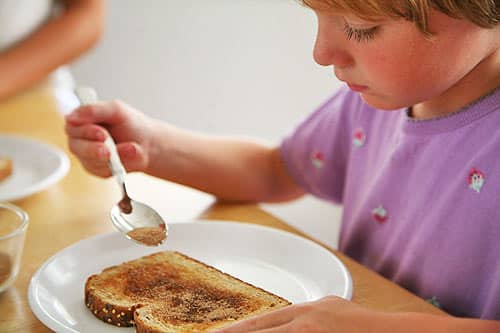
[475, 180]
[359, 138]
[433, 301]
[317, 159]
[379, 214]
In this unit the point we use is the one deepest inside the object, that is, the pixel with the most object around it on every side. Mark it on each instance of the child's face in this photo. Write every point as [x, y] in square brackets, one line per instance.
[395, 65]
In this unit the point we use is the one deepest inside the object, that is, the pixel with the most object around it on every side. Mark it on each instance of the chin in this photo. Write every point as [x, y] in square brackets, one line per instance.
[383, 103]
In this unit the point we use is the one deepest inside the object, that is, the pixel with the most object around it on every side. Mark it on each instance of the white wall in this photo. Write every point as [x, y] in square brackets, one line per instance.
[240, 67]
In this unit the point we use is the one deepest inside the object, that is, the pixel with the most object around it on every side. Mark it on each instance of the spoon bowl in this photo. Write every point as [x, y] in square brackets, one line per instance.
[142, 224]
[137, 221]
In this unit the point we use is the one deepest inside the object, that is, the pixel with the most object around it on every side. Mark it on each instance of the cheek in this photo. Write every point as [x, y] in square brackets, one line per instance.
[410, 69]
[390, 71]
[406, 72]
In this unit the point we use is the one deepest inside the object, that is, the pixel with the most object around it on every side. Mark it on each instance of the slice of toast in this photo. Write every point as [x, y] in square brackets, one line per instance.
[5, 168]
[171, 292]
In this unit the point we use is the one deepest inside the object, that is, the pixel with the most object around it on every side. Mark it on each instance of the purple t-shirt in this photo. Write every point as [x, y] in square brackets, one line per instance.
[421, 198]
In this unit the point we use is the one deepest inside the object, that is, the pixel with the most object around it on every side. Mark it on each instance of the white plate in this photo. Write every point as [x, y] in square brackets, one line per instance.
[36, 166]
[280, 262]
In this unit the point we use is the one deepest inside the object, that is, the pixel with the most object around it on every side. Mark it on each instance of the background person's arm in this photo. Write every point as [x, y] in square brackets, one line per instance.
[59, 41]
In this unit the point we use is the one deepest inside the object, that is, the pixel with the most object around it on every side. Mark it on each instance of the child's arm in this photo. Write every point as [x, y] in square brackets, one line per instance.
[232, 169]
[57, 42]
[333, 314]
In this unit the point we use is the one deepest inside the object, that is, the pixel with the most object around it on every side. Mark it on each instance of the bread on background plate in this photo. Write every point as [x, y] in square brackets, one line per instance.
[5, 168]
[171, 292]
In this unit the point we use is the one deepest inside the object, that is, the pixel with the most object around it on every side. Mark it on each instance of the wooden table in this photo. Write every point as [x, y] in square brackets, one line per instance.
[77, 207]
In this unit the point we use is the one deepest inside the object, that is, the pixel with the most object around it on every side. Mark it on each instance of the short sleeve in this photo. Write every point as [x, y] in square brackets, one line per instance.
[316, 153]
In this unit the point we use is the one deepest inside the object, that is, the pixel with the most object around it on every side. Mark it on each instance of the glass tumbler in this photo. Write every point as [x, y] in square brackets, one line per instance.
[13, 225]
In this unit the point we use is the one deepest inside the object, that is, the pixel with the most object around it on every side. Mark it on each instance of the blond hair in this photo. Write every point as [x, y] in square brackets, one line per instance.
[484, 13]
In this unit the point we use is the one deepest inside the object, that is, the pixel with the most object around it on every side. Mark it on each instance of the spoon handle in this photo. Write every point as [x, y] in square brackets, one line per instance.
[115, 164]
[88, 95]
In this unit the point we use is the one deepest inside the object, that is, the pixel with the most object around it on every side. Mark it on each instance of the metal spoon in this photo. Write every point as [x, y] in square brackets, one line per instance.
[136, 220]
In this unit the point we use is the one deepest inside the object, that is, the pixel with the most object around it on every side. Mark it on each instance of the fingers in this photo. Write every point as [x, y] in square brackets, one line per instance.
[279, 329]
[87, 129]
[102, 113]
[94, 155]
[275, 320]
[132, 156]
[100, 169]
[88, 132]
[89, 150]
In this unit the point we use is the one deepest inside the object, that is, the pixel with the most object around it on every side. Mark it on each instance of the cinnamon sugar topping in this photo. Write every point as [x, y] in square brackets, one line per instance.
[184, 299]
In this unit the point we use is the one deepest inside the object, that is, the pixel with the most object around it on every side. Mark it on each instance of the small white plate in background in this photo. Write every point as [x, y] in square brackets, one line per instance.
[36, 166]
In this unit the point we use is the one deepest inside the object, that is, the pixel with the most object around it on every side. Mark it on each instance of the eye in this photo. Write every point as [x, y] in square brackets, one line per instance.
[359, 35]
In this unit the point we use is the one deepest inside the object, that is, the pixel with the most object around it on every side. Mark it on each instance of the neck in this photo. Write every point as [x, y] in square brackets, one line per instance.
[484, 78]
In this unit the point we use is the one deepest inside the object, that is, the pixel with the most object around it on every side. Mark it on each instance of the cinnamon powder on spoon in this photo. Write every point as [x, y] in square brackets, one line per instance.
[151, 236]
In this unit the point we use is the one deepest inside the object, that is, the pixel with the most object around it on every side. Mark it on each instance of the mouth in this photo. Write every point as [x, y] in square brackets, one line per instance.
[352, 86]
[356, 87]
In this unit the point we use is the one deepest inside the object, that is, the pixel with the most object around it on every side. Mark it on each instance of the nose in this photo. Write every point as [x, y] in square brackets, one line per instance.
[330, 47]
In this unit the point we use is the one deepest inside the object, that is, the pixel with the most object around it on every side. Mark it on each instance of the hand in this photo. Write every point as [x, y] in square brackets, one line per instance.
[88, 126]
[329, 314]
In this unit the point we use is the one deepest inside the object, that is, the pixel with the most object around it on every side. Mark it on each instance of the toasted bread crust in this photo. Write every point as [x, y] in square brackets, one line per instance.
[171, 292]
[5, 168]
[114, 314]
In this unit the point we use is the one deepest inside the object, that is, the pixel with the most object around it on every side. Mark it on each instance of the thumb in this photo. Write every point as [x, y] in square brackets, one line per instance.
[133, 156]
